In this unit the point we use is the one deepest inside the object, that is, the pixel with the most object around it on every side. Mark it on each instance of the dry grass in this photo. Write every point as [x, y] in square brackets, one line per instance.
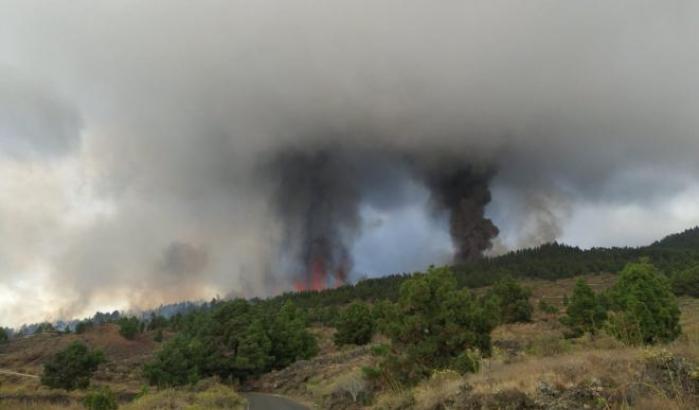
[531, 355]
[212, 396]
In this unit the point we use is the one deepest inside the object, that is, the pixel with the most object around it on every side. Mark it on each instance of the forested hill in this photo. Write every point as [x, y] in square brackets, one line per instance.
[551, 261]
[688, 239]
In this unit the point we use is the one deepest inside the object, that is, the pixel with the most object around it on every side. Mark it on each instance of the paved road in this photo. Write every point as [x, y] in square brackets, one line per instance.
[11, 373]
[261, 401]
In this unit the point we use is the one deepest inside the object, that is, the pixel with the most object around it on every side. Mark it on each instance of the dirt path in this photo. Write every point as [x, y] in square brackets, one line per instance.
[261, 401]
[11, 373]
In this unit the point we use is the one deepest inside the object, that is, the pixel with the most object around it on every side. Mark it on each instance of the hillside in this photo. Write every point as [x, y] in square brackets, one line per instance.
[550, 261]
[286, 345]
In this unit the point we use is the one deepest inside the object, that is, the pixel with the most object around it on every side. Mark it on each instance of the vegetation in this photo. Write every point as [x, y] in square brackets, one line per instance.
[644, 309]
[434, 325]
[686, 282]
[511, 301]
[355, 325]
[72, 367]
[101, 398]
[209, 396]
[232, 340]
[4, 336]
[83, 326]
[129, 327]
[585, 312]
[547, 308]
[433, 329]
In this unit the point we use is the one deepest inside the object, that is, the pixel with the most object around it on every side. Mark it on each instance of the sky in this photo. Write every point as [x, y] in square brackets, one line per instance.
[138, 140]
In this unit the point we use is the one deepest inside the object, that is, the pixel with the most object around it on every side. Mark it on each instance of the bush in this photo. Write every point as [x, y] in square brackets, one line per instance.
[355, 325]
[207, 397]
[83, 326]
[181, 361]
[72, 367]
[290, 338]
[686, 282]
[129, 327]
[585, 311]
[644, 309]
[435, 326]
[512, 300]
[100, 399]
[158, 336]
[547, 308]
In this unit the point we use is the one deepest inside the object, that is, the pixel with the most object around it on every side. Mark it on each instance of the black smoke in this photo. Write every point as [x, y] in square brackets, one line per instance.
[317, 200]
[318, 192]
[463, 192]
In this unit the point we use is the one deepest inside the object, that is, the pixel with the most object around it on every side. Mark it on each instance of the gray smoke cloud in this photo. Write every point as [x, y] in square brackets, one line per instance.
[252, 136]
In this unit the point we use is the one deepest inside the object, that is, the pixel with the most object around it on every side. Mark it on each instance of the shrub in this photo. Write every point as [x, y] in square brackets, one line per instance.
[547, 307]
[512, 300]
[585, 312]
[129, 327]
[212, 397]
[686, 282]
[355, 325]
[644, 309]
[290, 338]
[435, 326]
[158, 336]
[100, 399]
[181, 361]
[72, 367]
[84, 326]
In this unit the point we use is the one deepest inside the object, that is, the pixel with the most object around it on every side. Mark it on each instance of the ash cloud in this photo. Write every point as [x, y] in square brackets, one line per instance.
[192, 123]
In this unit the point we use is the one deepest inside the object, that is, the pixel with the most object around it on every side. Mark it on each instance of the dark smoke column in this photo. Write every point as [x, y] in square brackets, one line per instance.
[463, 192]
[317, 201]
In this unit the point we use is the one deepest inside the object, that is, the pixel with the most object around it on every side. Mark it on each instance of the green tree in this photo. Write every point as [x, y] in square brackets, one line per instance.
[435, 326]
[253, 355]
[645, 311]
[181, 361]
[585, 312]
[686, 282]
[547, 307]
[355, 325]
[4, 336]
[290, 338]
[72, 367]
[512, 299]
[100, 399]
[129, 327]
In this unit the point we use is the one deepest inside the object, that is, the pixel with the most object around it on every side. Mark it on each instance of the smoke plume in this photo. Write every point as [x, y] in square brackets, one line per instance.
[167, 150]
[464, 193]
[317, 200]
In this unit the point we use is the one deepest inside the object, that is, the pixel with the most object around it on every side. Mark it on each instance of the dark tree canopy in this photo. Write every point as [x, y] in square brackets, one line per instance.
[72, 367]
[585, 312]
[435, 326]
[512, 301]
[355, 325]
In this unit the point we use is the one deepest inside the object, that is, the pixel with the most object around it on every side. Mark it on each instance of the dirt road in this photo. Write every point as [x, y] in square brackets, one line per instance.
[261, 401]
[11, 373]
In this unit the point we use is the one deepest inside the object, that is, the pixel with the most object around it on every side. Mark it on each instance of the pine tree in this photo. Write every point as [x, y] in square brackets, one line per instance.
[253, 355]
[584, 313]
[72, 367]
[355, 325]
[645, 310]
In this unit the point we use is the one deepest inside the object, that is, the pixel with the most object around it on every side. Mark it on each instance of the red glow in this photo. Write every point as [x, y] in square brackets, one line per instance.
[316, 279]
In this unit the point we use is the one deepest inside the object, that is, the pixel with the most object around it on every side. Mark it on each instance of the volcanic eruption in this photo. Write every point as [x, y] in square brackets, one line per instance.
[319, 190]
